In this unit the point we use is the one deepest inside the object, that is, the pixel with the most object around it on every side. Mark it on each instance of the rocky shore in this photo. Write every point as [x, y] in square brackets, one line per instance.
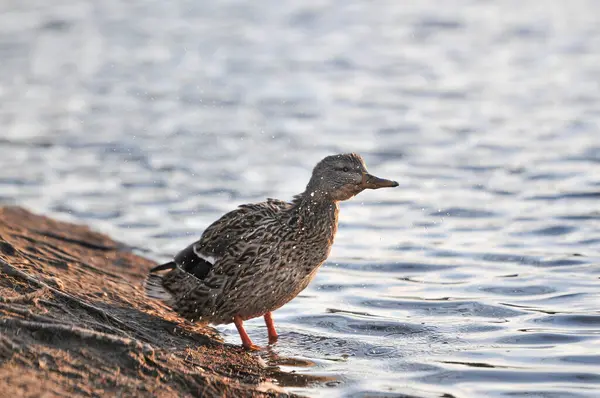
[74, 322]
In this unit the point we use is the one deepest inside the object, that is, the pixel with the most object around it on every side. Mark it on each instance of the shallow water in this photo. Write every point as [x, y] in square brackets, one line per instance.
[477, 277]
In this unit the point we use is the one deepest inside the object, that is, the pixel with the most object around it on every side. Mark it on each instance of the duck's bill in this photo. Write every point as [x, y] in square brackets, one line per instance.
[371, 182]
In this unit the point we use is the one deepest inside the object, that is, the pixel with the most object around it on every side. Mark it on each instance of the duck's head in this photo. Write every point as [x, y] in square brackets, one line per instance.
[340, 177]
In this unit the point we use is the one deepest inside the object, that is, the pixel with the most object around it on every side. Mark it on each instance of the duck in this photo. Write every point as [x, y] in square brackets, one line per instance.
[258, 257]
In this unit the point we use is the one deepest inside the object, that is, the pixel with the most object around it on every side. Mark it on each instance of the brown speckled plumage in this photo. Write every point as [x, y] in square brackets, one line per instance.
[258, 257]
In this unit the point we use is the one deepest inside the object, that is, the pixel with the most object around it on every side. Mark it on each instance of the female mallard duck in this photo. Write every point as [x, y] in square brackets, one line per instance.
[258, 257]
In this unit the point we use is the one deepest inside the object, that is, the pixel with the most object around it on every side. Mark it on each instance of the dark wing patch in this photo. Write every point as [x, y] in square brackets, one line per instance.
[189, 261]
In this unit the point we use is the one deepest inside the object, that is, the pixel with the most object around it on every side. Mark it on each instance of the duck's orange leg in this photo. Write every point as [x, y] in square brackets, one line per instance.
[246, 342]
[271, 328]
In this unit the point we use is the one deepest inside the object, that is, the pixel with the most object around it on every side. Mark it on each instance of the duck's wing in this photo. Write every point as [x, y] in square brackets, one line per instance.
[229, 249]
[200, 257]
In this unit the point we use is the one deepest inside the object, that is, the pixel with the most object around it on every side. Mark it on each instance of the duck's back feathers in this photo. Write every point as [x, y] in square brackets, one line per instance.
[231, 227]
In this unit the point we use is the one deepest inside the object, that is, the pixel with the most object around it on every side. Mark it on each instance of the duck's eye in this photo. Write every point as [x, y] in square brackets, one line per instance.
[345, 169]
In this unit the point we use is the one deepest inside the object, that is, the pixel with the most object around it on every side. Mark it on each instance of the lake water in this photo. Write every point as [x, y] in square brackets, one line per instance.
[478, 276]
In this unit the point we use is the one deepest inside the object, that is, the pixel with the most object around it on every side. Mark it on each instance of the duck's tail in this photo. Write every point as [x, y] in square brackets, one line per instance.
[153, 285]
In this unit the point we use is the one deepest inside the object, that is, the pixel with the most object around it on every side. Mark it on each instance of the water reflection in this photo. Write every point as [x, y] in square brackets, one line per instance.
[293, 372]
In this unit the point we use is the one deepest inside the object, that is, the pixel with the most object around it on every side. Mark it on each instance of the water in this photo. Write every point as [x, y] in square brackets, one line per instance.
[477, 277]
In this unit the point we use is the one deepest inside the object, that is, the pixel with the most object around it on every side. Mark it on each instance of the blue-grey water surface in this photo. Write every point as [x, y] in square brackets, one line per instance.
[477, 277]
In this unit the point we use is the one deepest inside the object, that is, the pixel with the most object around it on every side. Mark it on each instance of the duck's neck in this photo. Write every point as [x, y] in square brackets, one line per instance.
[317, 214]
